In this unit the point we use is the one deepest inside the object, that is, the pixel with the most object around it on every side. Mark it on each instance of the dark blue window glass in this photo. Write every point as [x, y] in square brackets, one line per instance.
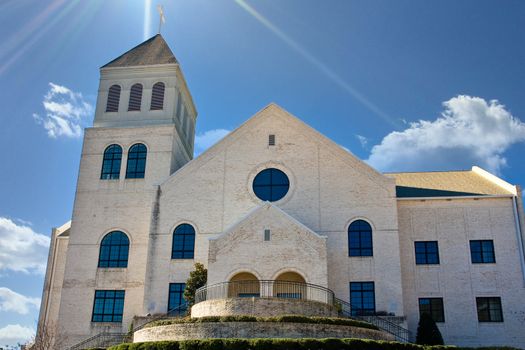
[360, 239]
[271, 185]
[108, 306]
[114, 250]
[176, 302]
[362, 298]
[433, 307]
[111, 163]
[183, 242]
[482, 252]
[136, 166]
[427, 253]
[489, 309]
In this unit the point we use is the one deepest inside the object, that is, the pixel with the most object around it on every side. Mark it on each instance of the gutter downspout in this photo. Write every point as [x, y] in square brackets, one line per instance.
[519, 236]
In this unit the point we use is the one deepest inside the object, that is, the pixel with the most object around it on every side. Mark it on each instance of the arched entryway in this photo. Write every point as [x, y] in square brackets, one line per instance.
[289, 285]
[244, 285]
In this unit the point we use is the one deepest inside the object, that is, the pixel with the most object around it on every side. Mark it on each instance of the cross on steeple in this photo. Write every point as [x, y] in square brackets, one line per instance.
[162, 19]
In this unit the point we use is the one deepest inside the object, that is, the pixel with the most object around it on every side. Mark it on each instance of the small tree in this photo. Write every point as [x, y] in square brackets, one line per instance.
[427, 331]
[198, 278]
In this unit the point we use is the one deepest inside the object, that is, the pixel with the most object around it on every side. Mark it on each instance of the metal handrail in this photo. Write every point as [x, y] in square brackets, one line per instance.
[349, 311]
[266, 289]
[101, 339]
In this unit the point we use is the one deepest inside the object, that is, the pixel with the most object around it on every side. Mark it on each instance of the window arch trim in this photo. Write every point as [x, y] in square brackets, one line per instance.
[111, 162]
[361, 241]
[183, 242]
[158, 92]
[113, 100]
[136, 92]
[114, 250]
[136, 161]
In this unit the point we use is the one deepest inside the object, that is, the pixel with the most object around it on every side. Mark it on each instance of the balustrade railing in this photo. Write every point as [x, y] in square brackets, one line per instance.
[265, 289]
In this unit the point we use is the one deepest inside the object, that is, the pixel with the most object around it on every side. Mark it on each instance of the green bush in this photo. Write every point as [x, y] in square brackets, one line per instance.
[283, 318]
[286, 344]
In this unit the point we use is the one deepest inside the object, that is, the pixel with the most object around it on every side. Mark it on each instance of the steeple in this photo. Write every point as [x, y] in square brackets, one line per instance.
[153, 51]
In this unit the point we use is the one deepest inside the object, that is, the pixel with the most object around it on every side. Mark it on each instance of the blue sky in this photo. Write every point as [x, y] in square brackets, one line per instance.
[404, 85]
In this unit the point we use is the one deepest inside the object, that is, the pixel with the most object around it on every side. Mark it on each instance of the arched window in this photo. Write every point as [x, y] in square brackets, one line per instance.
[114, 250]
[135, 97]
[360, 239]
[113, 98]
[183, 242]
[136, 166]
[157, 97]
[111, 162]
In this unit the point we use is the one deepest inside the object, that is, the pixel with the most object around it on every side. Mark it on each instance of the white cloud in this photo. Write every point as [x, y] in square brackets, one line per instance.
[470, 131]
[65, 112]
[207, 139]
[22, 249]
[14, 333]
[15, 302]
[362, 140]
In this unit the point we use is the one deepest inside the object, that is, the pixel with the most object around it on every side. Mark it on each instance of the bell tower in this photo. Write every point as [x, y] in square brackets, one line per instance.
[145, 87]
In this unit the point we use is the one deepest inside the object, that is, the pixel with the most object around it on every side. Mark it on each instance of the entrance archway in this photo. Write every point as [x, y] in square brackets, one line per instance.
[244, 285]
[289, 285]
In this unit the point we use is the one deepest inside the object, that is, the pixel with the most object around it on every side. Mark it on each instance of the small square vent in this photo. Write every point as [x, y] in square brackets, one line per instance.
[267, 235]
[271, 140]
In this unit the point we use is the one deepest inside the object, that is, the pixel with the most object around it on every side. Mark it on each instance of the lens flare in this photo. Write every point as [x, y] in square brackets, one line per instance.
[317, 63]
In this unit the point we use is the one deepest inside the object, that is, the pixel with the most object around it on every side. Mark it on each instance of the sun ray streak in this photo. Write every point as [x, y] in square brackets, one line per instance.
[147, 19]
[317, 63]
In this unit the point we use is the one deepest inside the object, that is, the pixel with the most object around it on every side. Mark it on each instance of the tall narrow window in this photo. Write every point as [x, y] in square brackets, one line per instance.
[114, 250]
[271, 140]
[362, 298]
[176, 302]
[183, 242]
[427, 253]
[433, 307]
[135, 97]
[157, 97]
[136, 166]
[108, 306]
[113, 98]
[360, 239]
[111, 163]
[482, 252]
[489, 309]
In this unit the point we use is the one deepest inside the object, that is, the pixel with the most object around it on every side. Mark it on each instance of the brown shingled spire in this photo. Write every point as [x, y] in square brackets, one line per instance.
[153, 51]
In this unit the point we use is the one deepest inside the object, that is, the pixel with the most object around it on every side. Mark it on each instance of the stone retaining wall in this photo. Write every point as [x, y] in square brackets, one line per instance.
[186, 331]
[261, 307]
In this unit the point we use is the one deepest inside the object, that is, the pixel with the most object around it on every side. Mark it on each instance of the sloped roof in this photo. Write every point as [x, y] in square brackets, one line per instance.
[444, 184]
[153, 51]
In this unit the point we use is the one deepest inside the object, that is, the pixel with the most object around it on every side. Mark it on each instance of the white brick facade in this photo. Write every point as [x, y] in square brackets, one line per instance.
[329, 189]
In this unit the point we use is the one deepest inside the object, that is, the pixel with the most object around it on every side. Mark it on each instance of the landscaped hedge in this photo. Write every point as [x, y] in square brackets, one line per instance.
[285, 344]
[284, 318]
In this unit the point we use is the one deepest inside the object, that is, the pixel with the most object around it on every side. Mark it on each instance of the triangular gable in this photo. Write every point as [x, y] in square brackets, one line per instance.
[270, 111]
[266, 206]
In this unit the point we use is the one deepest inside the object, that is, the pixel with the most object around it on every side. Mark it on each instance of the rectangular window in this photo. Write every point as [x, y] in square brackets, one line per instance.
[266, 235]
[433, 307]
[482, 252]
[108, 306]
[427, 253]
[271, 140]
[248, 295]
[362, 298]
[489, 309]
[176, 302]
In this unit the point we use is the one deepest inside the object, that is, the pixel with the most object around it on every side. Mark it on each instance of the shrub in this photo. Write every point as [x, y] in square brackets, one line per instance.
[197, 279]
[283, 318]
[286, 344]
[427, 331]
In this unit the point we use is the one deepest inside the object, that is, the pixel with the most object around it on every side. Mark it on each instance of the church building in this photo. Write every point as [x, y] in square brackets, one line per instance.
[274, 200]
